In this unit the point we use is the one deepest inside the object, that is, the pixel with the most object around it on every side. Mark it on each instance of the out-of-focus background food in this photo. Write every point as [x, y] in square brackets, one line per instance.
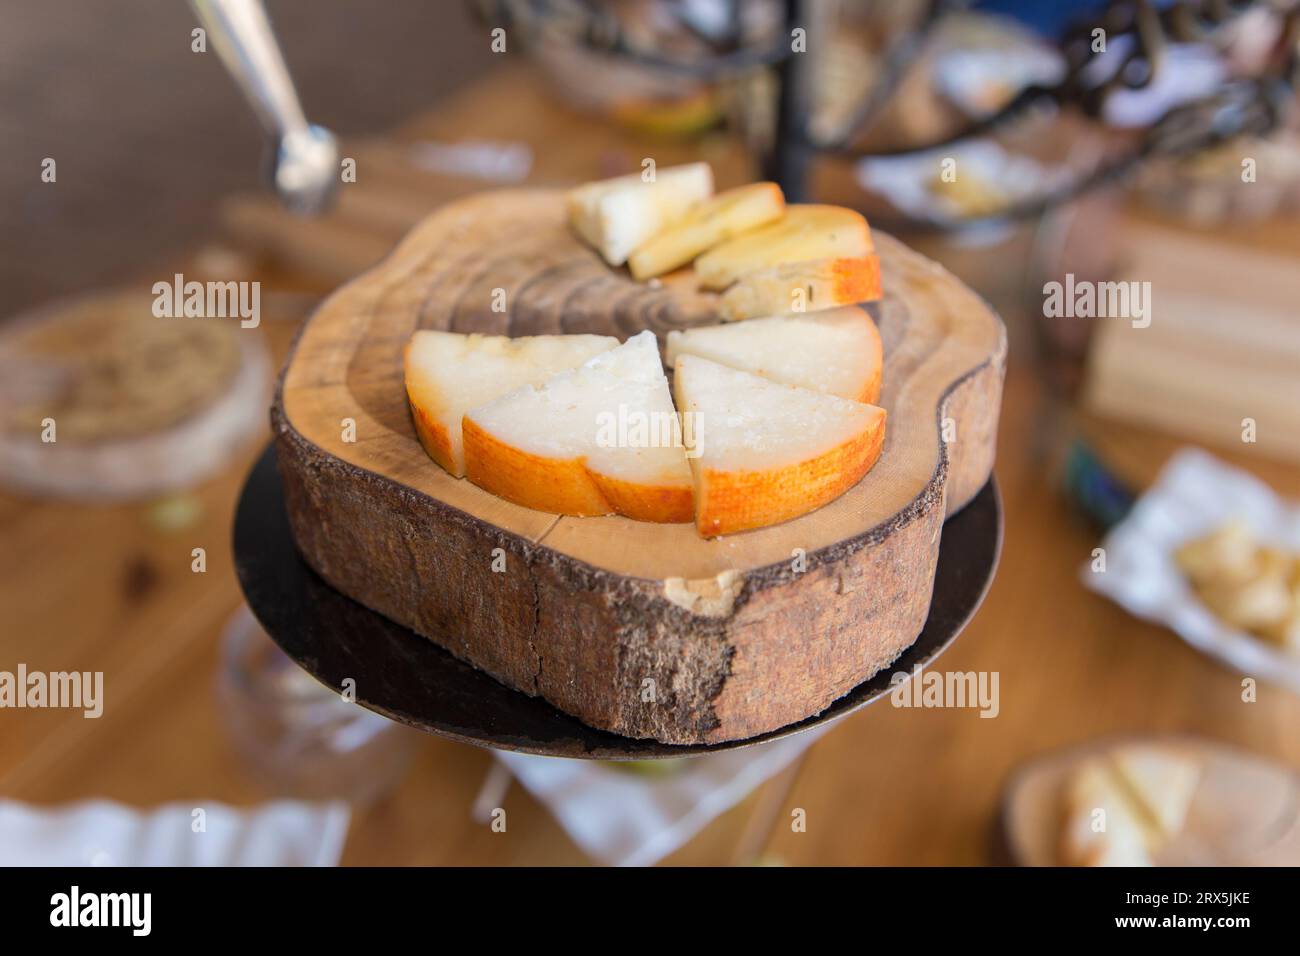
[1146, 657]
[150, 136]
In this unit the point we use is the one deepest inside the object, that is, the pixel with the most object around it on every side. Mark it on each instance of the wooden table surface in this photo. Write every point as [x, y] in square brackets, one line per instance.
[107, 588]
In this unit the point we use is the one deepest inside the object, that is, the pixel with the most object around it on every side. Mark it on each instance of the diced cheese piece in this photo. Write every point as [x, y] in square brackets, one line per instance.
[1101, 826]
[617, 215]
[804, 232]
[836, 352]
[765, 452]
[803, 287]
[1162, 780]
[449, 373]
[600, 439]
[713, 221]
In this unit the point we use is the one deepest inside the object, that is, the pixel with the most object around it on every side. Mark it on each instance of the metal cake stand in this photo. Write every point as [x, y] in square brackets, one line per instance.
[410, 679]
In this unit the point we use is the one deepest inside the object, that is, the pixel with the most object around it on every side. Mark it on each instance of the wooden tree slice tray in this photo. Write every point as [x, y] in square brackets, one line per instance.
[407, 678]
[645, 630]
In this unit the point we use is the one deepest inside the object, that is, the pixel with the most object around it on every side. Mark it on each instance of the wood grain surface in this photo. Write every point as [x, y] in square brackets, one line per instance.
[737, 637]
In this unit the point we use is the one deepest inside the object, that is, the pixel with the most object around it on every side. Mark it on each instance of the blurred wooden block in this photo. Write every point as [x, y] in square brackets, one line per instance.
[1223, 344]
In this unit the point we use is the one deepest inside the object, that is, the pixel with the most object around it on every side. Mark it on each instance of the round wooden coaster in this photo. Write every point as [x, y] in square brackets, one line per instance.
[104, 400]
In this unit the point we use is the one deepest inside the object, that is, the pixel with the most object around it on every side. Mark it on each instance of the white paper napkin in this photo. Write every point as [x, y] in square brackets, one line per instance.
[965, 75]
[1191, 71]
[103, 833]
[624, 819]
[1194, 495]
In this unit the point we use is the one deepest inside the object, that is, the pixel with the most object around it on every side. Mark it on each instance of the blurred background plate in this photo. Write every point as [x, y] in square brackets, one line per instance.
[1244, 809]
[100, 399]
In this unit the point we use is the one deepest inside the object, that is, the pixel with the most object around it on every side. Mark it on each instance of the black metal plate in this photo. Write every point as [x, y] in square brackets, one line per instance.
[410, 679]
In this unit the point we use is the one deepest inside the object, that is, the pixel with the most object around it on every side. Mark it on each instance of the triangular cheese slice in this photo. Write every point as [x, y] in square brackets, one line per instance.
[709, 223]
[803, 287]
[766, 452]
[1100, 824]
[835, 352]
[448, 373]
[805, 232]
[617, 215]
[601, 439]
[1162, 781]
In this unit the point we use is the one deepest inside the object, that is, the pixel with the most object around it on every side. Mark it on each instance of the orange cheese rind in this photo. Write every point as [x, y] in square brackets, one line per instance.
[770, 452]
[804, 233]
[803, 287]
[837, 352]
[732, 501]
[558, 485]
[709, 223]
[558, 447]
[447, 373]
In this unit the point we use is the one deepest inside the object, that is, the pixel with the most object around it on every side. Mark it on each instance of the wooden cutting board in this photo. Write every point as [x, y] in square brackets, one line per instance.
[1222, 346]
[642, 629]
[100, 400]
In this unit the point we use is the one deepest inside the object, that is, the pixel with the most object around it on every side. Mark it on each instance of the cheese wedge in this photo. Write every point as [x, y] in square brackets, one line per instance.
[835, 352]
[803, 287]
[1161, 781]
[1101, 825]
[617, 215]
[448, 373]
[804, 232]
[709, 223]
[600, 439]
[767, 452]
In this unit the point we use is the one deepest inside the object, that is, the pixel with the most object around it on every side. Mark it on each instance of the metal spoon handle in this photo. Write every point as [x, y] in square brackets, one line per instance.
[304, 167]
